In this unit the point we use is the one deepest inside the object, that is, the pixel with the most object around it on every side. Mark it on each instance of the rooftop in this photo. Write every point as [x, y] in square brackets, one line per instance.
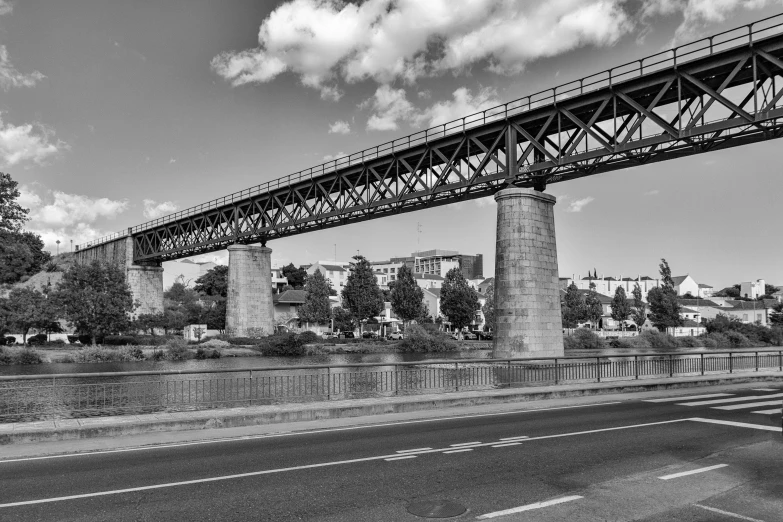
[290, 297]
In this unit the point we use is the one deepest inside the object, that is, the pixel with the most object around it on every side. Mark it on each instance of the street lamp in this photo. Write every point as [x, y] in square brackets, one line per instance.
[58, 247]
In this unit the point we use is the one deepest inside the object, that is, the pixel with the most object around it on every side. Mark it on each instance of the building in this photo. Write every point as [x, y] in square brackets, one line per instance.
[705, 291]
[286, 304]
[608, 285]
[432, 302]
[439, 262]
[684, 285]
[387, 268]
[689, 314]
[335, 271]
[705, 308]
[484, 285]
[279, 281]
[428, 280]
[688, 329]
[778, 296]
[185, 271]
[748, 311]
[753, 289]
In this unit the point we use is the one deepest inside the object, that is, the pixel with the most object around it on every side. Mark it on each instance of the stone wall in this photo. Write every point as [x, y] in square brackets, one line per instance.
[119, 251]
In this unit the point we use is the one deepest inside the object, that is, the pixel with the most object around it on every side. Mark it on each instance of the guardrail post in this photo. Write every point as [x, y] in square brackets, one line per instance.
[636, 366]
[702, 363]
[731, 364]
[757, 361]
[598, 367]
[780, 360]
[508, 373]
[329, 383]
[251, 387]
[396, 385]
[557, 372]
[456, 376]
[671, 366]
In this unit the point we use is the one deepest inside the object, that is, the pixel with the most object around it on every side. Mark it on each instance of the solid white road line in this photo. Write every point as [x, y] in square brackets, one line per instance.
[463, 450]
[529, 507]
[299, 433]
[401, 457]
[769, 412]
[516, 438]
[728, 513]
[746, 406]
[328, 464]
[736, 399]
[506, 444]
[692, 472]
[737, 424]
[765, 389]
[465, 444]
[412, 450]
[692, 397]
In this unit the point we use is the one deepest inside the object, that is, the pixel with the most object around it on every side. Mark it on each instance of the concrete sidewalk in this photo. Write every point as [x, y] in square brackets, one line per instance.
[97, 427]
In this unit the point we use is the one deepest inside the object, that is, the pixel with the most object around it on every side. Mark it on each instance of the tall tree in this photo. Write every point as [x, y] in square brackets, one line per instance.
[27, 309]
[593, 309]
[776, 317]
[316, 308]
[407, 299]
[214, 282]
[573, 309]
[458, 301]
[343, 320]
[296, 276]
[664, 307]
[620, 308]
[489, 306]
[95, 298]
[638, 311]
[12, 214]
[361, 293]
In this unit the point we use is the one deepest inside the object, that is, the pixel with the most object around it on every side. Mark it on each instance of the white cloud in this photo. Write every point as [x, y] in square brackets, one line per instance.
[28, 142]
[578, 204]
[330, 157]
[172, 160]
[652, 192]
[325, 41]
[11, 77]
[59, 215]
[697, 14]
[153, 210]
[462, 104]
[339, 127]
[389, 107]
[5, 7]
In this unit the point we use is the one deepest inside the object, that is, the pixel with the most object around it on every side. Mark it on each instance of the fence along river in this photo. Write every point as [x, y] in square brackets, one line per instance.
[25, 398]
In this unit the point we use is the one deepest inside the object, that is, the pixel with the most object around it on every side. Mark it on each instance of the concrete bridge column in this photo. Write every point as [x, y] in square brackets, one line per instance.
[250, 312]
[527, 294]
[146, 284]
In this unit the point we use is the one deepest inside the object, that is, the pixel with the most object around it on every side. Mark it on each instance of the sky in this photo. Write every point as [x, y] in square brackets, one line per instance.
[116, 112]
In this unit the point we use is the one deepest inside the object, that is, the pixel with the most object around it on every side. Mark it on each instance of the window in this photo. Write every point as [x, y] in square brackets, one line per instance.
[758, 317]
[744, 317]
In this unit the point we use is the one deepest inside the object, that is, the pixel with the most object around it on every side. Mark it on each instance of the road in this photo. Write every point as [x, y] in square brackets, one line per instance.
[707, 456]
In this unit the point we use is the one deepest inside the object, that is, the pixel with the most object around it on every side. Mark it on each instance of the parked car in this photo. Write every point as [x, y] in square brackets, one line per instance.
[369, 335]
[469, 336]
[328, 335]
[484, 336]
[394, 336]
[346, 335]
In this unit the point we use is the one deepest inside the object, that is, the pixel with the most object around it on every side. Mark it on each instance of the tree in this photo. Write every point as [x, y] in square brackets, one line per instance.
[458, 301]
[316, 308]
[214, 282]
[620, 308]
[489, 306]
[215, 313]
[148, 322]
[776, 317]
[664, 307]
[21, 254]
[296, 276]
[27, 308]
[593, 309]
[361, 293]
[638, 311]
[407, 299]
[95, 298]
[343, 320]
[573, 309]
[12, 214]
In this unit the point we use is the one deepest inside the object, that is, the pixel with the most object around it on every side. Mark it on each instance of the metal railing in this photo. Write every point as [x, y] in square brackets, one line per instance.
[37, 397]
[745, 34]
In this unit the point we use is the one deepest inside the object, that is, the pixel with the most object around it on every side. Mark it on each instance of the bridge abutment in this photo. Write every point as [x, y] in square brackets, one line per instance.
[249, 309]
[527, 296]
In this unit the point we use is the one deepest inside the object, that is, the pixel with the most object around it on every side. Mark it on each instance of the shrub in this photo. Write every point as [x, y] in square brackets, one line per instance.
[720, 340]
[37, 339]
[8, 341]
[73, 339]
[285, 344]
[247, 341]
[27, 356]
[309, 337]
[621, 343]
[5, 357]
[688, 342]
[201, 354]
[583, 339]
[658, 339]
[120, 340]
[131, 354]
[708, 342]
[420, 340]
[94, 354]
[177, 350]
[737, 340]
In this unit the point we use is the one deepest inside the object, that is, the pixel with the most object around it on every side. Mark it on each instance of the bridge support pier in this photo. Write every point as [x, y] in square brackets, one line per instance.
[527, 293]
[249, 310]
[146, 284]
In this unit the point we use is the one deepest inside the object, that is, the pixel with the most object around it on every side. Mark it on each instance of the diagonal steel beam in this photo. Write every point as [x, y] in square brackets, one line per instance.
[721, 99]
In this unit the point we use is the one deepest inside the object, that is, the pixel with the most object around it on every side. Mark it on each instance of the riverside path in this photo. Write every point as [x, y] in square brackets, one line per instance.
[654, 456]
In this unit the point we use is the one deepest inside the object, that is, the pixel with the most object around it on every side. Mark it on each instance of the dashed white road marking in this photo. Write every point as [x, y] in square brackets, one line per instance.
[457, 451]
[516, 438]
[769, 412]
[737, 424]
[689, 398]
[728, 513]
[529, 507]
[465, 444]
[747, 406]
[736, 399]
[506, 444]
[401, 457]
[692, 472]
[412, 450]
[765, 389]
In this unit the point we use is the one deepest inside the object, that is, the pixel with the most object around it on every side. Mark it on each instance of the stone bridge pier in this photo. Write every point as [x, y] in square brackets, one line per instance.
[145, 280]
[527, 294]
[249, 309]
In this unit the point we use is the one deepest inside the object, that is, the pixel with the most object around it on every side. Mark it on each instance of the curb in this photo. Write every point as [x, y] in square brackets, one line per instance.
[262, 415]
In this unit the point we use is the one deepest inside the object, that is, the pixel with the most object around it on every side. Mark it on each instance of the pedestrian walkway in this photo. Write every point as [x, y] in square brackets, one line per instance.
[730, 402]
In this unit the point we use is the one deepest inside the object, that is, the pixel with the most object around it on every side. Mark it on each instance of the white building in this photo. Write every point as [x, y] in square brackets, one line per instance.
[608, 285]
[387, 268]
[335, 271]
[684, 285]
[184, 271]
[752, 289]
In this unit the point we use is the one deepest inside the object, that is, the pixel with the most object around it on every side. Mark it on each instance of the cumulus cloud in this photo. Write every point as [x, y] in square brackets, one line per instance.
[578, 204]
[11, 77]
[28, 142]
[326, 41]
[331, 157]
[59, 215]
[5, 7]
[391, 107]
[153, 209]
[697, 14]
[339, 127]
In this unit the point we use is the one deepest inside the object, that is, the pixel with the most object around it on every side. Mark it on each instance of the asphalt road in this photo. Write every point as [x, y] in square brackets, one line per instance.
[718, 458]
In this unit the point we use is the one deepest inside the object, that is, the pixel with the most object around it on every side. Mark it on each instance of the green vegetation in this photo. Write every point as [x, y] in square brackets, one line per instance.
[361, 293]
[407, 299]
[316, 308]
[458, 301]
[419, 340]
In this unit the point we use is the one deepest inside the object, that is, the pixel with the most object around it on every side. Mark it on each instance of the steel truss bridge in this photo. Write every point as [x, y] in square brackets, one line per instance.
[708, 95]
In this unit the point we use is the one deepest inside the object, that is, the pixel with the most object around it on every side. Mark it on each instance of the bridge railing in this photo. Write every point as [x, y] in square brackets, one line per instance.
[745, 34]
[36, 397]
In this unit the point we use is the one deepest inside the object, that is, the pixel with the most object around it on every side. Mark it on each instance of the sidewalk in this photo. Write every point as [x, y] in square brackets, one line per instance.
[71, 429]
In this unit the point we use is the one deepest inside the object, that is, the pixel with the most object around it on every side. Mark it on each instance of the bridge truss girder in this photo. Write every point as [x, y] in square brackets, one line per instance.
[723, 100]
